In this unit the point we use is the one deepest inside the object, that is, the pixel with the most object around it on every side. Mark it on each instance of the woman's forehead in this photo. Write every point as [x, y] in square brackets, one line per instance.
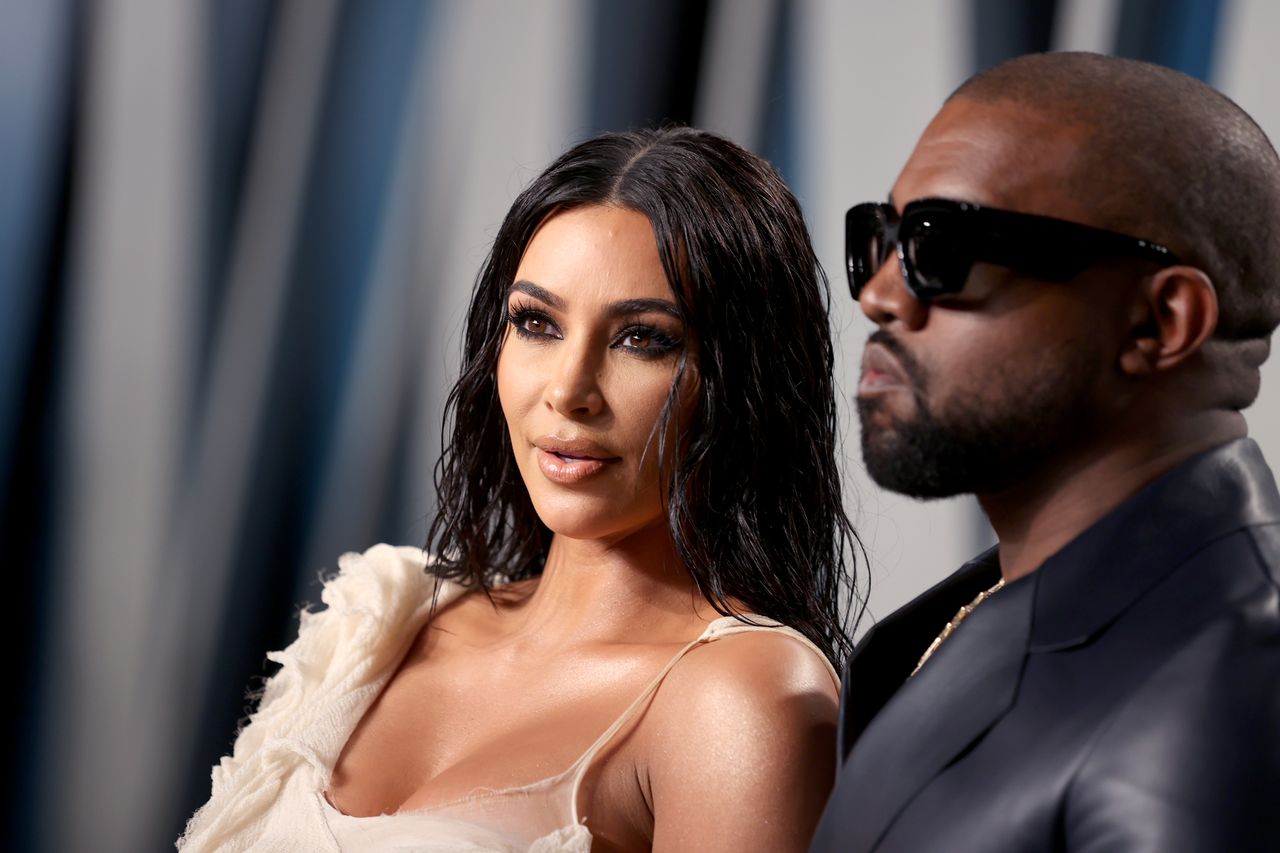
[594, 254]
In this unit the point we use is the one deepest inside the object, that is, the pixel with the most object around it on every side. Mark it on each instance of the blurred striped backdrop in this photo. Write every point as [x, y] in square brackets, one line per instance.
[236, 242]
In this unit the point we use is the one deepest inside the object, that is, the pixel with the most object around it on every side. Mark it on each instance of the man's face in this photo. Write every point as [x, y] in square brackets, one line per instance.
[976, 391]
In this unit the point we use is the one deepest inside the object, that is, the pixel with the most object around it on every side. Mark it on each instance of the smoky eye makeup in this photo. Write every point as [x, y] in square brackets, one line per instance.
[531, 322]
[634, 335]
[647, 341]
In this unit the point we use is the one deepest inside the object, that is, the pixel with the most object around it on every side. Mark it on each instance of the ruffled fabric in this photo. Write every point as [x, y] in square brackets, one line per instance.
[328, 676]
[268, 795]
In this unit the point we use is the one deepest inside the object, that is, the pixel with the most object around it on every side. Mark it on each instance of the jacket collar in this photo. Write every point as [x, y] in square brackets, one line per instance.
[1208, 496]
[890, 650]
[968, 684]
[972, 680]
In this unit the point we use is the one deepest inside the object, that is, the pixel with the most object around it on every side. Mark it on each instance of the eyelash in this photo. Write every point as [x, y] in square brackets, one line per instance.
[660, 343]
[519, 314]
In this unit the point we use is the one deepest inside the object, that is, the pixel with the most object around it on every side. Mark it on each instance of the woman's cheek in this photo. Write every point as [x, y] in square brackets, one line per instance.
[519, 383]
[649, 401]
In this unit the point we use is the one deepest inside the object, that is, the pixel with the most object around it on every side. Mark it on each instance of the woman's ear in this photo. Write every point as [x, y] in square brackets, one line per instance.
[1172, 314]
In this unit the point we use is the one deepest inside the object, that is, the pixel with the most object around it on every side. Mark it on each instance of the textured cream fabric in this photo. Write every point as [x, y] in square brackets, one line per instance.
[265, 793]
[268, 795]
[441, 831]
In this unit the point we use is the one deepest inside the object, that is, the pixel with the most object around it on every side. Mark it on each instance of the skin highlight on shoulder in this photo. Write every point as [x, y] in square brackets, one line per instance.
[740, 726]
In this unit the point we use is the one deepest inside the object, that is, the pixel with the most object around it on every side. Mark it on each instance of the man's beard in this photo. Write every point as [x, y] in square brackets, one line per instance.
[978, 445]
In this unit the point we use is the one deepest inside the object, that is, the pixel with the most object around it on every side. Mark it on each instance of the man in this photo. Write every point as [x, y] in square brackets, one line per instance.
[1075, 281]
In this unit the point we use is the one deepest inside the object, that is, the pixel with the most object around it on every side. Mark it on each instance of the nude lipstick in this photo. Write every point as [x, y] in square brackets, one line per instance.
[571, 460]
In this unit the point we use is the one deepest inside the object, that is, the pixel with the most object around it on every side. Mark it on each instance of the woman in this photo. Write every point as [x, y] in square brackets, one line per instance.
[640, 491]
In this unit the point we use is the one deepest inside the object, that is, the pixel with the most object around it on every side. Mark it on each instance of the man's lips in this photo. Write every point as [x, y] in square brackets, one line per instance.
[881, 371]
[570, 460]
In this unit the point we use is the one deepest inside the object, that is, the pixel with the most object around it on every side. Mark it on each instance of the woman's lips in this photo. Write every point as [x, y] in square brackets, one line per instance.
[568, 461]
[881, 372]
[568, 469]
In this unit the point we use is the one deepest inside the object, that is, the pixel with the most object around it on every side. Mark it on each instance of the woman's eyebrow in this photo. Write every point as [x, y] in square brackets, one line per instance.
[639, 306]
[624, 308]
[540, 293]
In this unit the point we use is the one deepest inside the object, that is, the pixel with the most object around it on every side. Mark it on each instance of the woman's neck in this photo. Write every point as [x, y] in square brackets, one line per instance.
[608, 590]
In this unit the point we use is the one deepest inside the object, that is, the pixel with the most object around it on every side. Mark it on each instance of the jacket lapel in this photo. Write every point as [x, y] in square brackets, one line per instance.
[968, 684]
[896, 743]
[889, 651]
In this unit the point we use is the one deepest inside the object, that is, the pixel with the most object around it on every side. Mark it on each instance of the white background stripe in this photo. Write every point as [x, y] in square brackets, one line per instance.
[128, 375]
[733, 81]
[1086, 25]
[871, 76]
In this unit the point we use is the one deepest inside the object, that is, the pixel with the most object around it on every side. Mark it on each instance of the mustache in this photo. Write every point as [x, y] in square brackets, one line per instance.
[910, 365]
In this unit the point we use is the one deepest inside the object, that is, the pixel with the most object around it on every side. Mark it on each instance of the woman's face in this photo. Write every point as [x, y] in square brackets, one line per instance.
[591, 350]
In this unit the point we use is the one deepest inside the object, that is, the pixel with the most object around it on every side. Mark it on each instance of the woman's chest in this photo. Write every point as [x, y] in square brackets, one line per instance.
[443, 730]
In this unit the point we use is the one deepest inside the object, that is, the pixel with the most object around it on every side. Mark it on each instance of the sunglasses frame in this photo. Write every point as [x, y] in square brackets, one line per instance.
[1041, 247]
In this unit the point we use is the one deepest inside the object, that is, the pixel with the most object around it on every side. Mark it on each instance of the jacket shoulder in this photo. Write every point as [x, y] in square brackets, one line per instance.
[1191, 759]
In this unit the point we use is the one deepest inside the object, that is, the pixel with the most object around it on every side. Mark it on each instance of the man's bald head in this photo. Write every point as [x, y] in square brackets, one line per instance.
[1170, 159]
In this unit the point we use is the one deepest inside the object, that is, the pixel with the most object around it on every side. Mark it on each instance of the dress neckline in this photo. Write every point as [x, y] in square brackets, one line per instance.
[577, 770]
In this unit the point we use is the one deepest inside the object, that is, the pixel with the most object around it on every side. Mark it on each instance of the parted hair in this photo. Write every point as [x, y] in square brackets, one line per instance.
[751, 484]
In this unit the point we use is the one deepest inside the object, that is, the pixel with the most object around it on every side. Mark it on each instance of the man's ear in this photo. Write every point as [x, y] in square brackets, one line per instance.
[1172, 314]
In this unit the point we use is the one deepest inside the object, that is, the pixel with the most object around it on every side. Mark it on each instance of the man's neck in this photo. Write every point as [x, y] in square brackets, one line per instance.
[1038, 517]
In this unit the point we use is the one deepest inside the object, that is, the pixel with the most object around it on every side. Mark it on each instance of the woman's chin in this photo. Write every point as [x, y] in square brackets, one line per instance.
[593, 523]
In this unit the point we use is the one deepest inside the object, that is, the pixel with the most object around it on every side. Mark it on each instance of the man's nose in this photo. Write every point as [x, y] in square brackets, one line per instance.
[574, 387]
[886, 300]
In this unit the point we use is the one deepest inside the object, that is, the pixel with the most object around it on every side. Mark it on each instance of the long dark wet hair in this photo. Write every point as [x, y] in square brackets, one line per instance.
[752, 491]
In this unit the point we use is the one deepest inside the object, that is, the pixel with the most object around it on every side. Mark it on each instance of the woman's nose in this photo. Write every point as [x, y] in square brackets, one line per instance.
[574, 387]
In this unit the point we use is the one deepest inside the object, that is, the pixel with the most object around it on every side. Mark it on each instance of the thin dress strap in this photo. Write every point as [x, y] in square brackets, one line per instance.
[722, 627]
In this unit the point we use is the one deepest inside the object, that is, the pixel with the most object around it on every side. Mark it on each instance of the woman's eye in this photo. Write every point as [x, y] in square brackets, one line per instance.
[646, 341]
[531, 324]
[639, 340]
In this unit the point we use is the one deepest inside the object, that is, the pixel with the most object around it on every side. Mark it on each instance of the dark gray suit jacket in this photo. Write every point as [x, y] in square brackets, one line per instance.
[1124, 697]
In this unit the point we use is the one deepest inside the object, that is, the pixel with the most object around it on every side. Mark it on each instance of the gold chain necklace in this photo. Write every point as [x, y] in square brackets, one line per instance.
[960, 616]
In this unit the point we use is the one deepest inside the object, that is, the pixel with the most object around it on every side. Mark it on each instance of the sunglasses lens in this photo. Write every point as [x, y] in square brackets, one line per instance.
[866, 244]
[937, 251]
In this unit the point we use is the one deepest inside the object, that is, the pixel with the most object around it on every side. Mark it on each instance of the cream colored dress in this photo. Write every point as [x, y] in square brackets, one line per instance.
[268, 795]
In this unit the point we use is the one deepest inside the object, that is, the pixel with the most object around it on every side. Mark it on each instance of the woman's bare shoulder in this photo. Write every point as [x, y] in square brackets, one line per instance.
[772, 672]
[743, 728]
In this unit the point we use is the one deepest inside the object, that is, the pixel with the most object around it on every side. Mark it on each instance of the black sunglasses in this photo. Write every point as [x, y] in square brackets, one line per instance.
[937, 241]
